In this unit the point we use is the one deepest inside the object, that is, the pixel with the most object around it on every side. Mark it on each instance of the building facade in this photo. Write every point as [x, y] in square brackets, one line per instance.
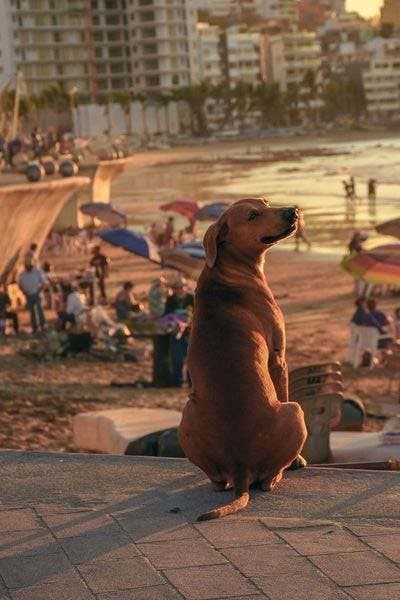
[104, 46]
[390, 13]
[382, 81]
[7, 63]
[287, 57]
[210, 60]
[242, 55]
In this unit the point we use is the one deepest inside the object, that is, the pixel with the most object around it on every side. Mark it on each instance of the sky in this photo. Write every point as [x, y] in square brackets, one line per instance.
[366, 8]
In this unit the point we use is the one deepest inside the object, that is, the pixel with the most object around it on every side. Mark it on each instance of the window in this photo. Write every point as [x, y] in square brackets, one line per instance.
[152, 81]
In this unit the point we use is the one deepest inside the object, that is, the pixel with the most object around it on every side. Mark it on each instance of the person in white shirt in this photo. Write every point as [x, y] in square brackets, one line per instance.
[75, 308]
[31, 282]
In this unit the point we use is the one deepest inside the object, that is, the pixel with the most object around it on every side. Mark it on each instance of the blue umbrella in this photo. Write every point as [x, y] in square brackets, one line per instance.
[211, 212]
[131, 241]
[194, 249]
[105, 212]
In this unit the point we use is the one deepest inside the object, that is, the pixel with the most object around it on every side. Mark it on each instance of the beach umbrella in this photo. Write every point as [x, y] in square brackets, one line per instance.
[194, 249]
[211, 212]
[182, 261]
[105, 212]
[186, 208]
[391, 227]
[131, 241]
[380, 265]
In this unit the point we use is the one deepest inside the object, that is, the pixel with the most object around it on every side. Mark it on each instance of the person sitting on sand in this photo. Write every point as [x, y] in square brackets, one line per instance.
[377, 318]
[125, 302]
[360, 315]
[300, 233]
[181, 301]
[75, 307]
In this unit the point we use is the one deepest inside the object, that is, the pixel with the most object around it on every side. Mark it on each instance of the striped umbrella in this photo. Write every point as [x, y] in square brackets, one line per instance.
[391, 227]
[105, 212]
[194, 249]
[380, 265]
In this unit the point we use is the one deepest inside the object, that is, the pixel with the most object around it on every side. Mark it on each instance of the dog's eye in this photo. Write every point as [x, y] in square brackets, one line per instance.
[252, 215]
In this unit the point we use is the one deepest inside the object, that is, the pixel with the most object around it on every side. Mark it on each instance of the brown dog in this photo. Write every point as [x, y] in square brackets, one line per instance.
[238, 425]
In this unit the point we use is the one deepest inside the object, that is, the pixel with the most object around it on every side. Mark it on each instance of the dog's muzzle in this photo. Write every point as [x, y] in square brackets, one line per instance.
[289, 216]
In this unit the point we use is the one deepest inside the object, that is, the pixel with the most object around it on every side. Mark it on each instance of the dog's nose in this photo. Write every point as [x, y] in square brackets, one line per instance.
[290, 214]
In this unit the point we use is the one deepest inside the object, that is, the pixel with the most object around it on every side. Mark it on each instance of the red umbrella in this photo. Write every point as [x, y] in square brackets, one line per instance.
[186, 208]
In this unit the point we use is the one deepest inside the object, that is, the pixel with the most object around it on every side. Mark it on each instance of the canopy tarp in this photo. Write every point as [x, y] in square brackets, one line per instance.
[28, 212]
[380, 265]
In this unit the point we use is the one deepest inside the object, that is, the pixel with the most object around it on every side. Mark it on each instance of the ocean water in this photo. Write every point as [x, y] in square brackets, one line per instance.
[312, 179]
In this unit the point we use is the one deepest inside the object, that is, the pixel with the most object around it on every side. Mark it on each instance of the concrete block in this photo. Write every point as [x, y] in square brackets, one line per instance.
[18, 520]
[95, 546]
[44, 591]
[260, 561]
[388, 591]
[111, 431]
[223, 534]
[304, 586]
[389, 545]
[161, 592]
[360, 446]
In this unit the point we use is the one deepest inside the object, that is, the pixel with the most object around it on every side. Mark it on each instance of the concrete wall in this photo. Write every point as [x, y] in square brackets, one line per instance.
[140, 118]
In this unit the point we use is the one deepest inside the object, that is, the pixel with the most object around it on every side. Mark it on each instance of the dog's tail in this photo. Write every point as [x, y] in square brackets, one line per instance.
[241, 500]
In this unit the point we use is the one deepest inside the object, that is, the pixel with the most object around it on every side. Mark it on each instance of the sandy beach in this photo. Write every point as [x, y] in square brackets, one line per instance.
[38, 399]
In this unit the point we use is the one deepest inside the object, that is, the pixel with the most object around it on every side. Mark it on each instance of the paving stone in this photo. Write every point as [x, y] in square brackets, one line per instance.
[387, 591]
[202, 583]
[99, 546]
[389, 545]
[368, 529]
[159, 529]
[322, 540]
[304, 586]
[113, 576]
[27, 543]
[226, 534]
[161, 592]
[357, 568]
[18, 520]
[181, 553]
[72, 591]
[20, 572]
[293, 523]
[255, 561]
[69, 524]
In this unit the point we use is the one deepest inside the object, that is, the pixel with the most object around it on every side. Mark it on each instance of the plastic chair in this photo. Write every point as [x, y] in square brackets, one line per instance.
[367, 341]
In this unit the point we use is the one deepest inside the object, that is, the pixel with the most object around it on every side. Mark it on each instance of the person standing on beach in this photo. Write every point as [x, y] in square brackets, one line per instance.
[371, 190]
[100, 263]
[300, 234]
[31, 282]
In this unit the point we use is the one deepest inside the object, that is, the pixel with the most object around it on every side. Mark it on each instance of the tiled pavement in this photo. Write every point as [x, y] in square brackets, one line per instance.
[79, 527]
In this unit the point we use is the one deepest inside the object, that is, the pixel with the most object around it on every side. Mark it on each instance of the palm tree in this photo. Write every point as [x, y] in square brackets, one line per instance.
[243, 99]
[124, 99]
[268, 101]
[196, 97]
[291, 103]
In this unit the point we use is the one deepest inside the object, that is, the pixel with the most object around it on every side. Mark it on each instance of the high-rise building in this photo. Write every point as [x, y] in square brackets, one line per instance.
[242, 55]
[7, 64]
[390, 13]
[382, 79]
[211, 66]
[287, 57]
[102, 46]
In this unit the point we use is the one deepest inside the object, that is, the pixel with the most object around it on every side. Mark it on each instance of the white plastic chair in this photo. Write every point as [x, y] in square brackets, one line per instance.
[367, 341]
[351, 350]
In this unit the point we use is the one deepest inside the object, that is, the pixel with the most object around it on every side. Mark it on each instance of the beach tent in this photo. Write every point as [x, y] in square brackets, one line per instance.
[131, 241]
[28, 212]
[380, 265]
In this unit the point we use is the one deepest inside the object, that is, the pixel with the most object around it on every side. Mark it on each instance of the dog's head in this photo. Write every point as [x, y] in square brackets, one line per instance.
[249, 227]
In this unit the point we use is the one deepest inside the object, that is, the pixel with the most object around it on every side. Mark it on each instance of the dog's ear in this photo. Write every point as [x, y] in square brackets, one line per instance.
[214, 235]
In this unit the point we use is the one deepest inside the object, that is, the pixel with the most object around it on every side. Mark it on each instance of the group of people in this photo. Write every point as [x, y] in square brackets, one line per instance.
[37, 144]
[350, 195]
[165, 236]
[80, 302]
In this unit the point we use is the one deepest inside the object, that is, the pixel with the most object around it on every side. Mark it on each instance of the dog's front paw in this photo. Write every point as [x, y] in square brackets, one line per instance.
[298, 463]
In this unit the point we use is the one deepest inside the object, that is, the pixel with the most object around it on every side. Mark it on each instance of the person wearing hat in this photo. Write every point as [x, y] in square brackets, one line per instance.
[181, 301]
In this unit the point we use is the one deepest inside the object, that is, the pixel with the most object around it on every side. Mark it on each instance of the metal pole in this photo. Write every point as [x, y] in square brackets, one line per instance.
[14, 126]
